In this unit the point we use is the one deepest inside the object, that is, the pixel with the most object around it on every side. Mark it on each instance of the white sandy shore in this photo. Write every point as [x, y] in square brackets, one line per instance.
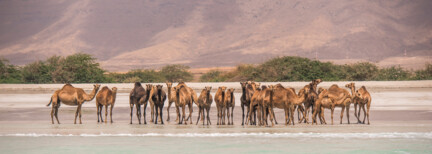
[126, 87]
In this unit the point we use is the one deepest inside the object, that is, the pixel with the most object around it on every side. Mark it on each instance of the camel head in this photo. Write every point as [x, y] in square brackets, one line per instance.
[350, 85]
[243, 84]
[159, 87]
[263, 87]
[114, 89]
[230, 90]
[320, 90]
[207, 89]
[223, 88]
[169, 84]
[149, 86]
[258, 84]
[96, 86]
[137, 84]
[317, 81]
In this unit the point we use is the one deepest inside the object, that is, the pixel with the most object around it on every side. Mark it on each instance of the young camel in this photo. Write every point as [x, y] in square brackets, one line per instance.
[205, 100]
[171, 99]
[341, 98]
[364, 99]
[182, 99]
[158, 97]
[70, 95]
[105, 97]
[137, 97]
[220, 99]
[322, 102]
[229, 102]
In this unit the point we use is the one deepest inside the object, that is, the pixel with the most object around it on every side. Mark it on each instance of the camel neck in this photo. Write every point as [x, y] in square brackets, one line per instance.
[114, 95]
[159, 93]
[92, 95]
[169, 94]
[208, 97]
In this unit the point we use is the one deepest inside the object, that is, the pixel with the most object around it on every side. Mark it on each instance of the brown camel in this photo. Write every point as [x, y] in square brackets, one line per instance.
[182, 99]
[322, 102]
[229, 103]
[139, 96]
[105, 97]
[312, 96]
[219, 99]
[341, 98]
[254, 105]
[355, 99]
[267, 104]
[205, 100]
[70, 95]
[158, 97]
[284, 98]
[364, 99]
[248, 91]
[193, 96]
[171, 99]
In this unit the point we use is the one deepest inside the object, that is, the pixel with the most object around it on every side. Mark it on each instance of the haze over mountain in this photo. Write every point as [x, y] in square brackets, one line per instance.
[132, 34]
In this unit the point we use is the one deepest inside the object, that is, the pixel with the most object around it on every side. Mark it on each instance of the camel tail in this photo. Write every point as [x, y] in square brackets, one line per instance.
[49, 102]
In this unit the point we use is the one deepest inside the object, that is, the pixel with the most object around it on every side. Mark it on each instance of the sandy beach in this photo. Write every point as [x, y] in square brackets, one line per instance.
[401, 121]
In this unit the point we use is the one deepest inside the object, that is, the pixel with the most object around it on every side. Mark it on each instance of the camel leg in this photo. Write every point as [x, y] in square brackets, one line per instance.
[298, 113]
[355, 112]
[292, 115]
[199, 115]
[243, 115]
[347, 113]
[112, 106]
[106, 113]
[286, 116]
[332, 111]
[232, 115]
[223, 115]
[364, 112]
[138, 108]
[52, 113]
[314, 117]
[145, 113]
[203, 117]
[341, 116]
[56, 114]
[80, 113]
[190, 112]
[131, 113]
[76, 113]
[168, 108]
[271, 116]
[97, 111]
[322, 118]
[156, 114]
[247, 112]
[183, 116]
[228, 115]
[208, 116]
[254, 114]
[152, 110]
[367, 114]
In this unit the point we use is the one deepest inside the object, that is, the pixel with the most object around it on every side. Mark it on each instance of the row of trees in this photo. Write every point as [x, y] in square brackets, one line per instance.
[303, 69]
[83, 68]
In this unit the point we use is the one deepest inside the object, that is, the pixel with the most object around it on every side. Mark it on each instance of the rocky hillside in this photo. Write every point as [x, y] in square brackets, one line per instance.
[209, 33]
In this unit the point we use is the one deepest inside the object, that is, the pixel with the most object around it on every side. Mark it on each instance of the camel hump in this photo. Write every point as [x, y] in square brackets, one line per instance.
[137, 84]
[363, 87]
[104, 88]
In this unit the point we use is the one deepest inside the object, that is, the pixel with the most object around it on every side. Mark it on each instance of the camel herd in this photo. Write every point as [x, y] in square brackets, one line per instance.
[259, 102]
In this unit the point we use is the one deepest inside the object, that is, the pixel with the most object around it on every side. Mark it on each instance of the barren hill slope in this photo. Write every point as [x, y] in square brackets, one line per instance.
[206, 33]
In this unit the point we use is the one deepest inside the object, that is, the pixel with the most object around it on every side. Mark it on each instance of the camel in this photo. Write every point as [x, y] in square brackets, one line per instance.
[355, 99]
[171, 99]
[267, 104]
[70, 95]
[254, 105]
[139, 96]
[193, 96]
[182, 99]
[341, 98]
[219, 99]
[312, 96]
[158, 97]
[229, 102]
[105, 97]
[322, 102]
[205, 100]
[364, 98]
[248, 90]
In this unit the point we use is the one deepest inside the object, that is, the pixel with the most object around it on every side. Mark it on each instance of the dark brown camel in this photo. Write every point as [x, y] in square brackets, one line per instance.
[139, 96]
[205, 100]
[158, 98]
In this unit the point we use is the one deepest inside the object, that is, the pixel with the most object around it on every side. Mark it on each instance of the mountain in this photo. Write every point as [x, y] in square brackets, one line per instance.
[132, 34]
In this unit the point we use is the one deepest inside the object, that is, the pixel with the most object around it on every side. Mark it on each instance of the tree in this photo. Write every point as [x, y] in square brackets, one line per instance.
[176, 73]
[9, 73]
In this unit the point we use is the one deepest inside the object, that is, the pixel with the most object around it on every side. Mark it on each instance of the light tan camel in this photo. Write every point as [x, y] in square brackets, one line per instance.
[364, 99]
[70, 95]
[267, 104]
[220, 99]
[355, 99]
[256, 99]
[205, 100]
[193, 96]
[183, 98]
[171, 99]
[322, 102]
[137, 97]
[229, 103]
[105, 97]
[341, 98]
